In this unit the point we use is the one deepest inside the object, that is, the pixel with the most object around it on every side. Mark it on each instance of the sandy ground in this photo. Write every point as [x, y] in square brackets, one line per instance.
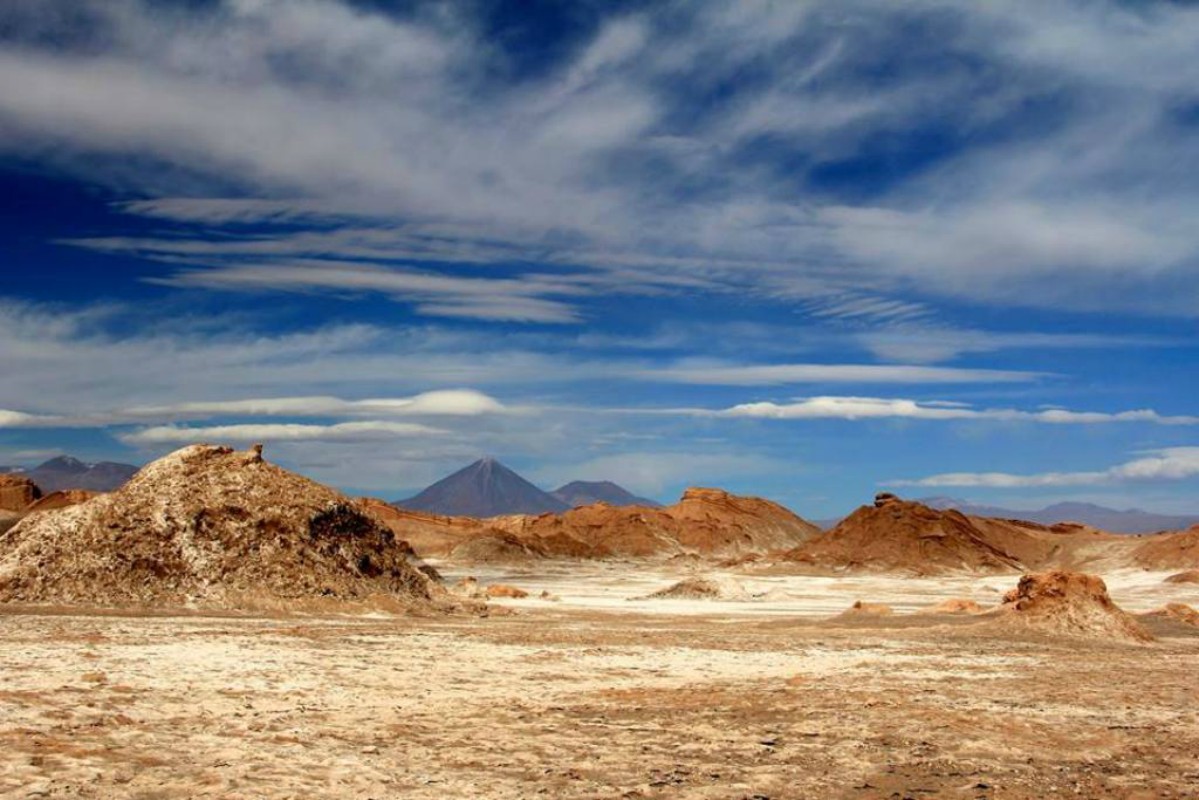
[600, 697]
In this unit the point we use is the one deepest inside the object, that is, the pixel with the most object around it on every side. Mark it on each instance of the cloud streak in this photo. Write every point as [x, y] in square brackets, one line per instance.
[866, 408]
[1166, 464]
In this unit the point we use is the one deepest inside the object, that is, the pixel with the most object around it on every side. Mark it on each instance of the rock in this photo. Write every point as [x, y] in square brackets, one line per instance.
[1180, 612]
[860, 609]
[1189, 576]
[503, 590]
[1068, 603]
[956, 605]
[702, 589]
[469, 589]
[17, 492]
[62, 499]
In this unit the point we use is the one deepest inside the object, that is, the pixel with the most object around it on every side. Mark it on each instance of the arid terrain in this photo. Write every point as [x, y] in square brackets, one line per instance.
[221, 627]
[599, 696]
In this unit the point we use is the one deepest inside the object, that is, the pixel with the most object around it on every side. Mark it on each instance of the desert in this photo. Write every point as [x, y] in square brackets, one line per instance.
[599, 399]
[944, 666]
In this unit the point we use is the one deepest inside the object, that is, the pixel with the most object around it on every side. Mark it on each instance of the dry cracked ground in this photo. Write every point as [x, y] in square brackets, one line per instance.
[571, 701]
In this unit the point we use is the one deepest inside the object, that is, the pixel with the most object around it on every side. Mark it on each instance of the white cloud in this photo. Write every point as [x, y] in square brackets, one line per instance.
[448, 402]
[715, 374]
[1167, 464]
[854, 408]
[318, 109]
[369, 430]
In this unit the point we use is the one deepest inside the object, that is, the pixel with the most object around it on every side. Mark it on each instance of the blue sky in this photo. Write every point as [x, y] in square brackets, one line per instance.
[807, 250]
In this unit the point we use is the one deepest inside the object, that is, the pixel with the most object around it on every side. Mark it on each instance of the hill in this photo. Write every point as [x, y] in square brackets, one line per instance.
[584, 493]
[708, 522]
[486, 488]
[210, 527]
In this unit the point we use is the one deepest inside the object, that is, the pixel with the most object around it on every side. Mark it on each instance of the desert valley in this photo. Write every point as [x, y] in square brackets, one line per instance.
[599, 400]
[220, 627]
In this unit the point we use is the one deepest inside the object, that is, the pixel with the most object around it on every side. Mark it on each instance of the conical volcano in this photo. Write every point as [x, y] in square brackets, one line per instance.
[484, 489]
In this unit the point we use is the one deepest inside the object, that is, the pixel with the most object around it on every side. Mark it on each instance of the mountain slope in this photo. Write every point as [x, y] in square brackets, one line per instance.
[486, 488]
[1132, 520]
[584, 493]
[66, 472]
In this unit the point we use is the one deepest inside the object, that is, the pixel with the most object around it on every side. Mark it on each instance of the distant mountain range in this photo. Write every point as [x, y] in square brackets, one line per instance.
[487, 488]
[584, 493]
[1132, 520]
[66, 472]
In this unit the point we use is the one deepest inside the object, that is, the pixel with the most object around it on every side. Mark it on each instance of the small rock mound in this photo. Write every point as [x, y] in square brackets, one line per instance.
[1179, 612]
[210, 527]
[503, 590]
[1189, 576]
[956, 605]
[860, 609]
[1071, 604]
[17, 492]
[702, 589]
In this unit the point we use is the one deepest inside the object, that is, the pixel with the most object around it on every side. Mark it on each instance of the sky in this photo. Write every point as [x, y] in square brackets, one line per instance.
[802, 250]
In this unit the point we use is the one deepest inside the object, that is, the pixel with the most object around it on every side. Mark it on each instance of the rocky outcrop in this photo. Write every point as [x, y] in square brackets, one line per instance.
[1169, 550]
[62, 499]
[17, 492]
[1063, 603]
[213, 528]
[896, 535]
[707, 522]
[702, 589]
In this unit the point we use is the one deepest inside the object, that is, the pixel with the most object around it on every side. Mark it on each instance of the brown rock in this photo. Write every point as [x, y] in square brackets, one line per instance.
[956, 605]
[1189, 576]
[1179, 612]
[860, 609]
[17, 492]
[503, 590]
[1071, 604]
[1178, 550]
[63, 499]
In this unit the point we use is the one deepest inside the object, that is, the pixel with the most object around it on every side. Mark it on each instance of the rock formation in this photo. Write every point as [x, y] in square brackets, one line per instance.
[17, 492]
[62, 499]
[1070, 604]
[1169, 550]
[210, 527]
[702, 589]
[708, 522]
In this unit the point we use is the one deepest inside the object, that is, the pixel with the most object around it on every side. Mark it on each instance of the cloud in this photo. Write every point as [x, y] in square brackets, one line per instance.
[448, 402]
[857, 408]
[340, 432]
[713, 374]
[435, 295]
[1052, 179]
[1167, 464]
[18, 419]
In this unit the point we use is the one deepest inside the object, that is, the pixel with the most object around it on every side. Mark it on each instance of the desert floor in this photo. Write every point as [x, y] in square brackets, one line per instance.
[597, 696]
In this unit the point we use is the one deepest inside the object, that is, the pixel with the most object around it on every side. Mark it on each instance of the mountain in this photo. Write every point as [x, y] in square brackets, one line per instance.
[585, 493]
[1132, 520]
[66, 472]
[484, 489]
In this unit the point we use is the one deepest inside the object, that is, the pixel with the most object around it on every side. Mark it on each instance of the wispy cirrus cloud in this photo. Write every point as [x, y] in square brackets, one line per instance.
[1166, 464]
[724, 374]
[445, 402]
[366, 430]
[1055, 177]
